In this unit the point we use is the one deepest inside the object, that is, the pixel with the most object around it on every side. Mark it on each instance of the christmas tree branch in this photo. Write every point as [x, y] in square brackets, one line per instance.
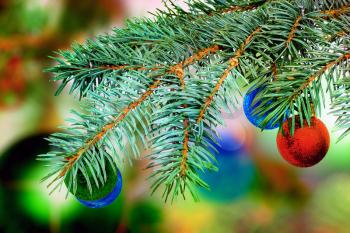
[293, 29]
[233, 62]
[166, 80]
[92, 146]
[83, 65]
[305, 87]
[248, 7]
[288, 64]
[99, 135]
[180, 171]
[220, 7]
[318, 74]
[337, 12]
[71, 160]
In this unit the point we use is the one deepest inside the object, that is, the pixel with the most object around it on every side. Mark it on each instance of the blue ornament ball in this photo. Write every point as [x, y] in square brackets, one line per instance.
[249, 108]
[235, 170]
[107, 200]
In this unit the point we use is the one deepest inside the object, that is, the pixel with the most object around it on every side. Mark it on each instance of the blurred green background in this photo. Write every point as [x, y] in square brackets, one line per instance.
[260, 193]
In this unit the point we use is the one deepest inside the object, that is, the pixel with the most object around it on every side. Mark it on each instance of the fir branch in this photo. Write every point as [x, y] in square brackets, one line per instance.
[233, 62]
[181, 74]
[166, 80]
[303, 92]
[336, 12]
[72, 159]
[274, 71]
[176, 69]
[318, 74]
[182, 173]
[224, 7]
[250, 7]
[340, 100]
[183, 164]
[293, 29]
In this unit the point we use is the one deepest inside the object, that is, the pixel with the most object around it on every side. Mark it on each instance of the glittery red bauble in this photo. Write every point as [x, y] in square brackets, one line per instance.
[307, 146]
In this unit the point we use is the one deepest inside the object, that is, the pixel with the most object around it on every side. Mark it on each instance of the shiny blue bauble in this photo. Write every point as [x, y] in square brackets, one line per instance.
[235, 174]
[248, 108]
[107, 200]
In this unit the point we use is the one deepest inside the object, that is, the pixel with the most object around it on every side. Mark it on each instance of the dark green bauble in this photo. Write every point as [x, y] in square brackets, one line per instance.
[83, 193]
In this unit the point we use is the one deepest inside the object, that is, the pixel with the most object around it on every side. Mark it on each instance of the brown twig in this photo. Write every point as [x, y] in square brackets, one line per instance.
[274, 71]
[183, 165]
[174, 69]
[293, 30]
[239, 8]
[313, 77]
[336, 12]
[233, 62]
[178, 70]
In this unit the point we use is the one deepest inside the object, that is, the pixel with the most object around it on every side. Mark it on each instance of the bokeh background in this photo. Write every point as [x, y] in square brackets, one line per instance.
[255, 190]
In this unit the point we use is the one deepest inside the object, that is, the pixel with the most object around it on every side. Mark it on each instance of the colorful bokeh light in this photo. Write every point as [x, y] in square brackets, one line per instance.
[236, 170]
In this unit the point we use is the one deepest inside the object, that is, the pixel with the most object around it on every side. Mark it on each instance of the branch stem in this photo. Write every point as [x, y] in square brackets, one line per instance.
[313, 77]
[233, 62]
[293, 30]
[177, 69]
[337, 12]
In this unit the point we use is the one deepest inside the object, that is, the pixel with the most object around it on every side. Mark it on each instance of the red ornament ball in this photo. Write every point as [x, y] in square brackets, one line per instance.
[307, 146]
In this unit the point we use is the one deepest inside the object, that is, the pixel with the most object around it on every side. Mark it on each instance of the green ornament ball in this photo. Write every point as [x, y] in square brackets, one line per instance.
[82, 192]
